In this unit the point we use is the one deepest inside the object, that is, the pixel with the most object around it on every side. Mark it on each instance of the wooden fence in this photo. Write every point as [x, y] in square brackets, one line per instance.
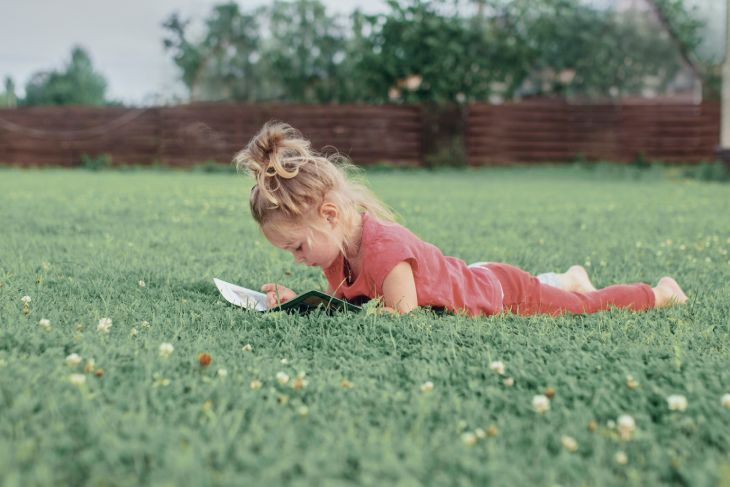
[400, 134]
[193, 134]
[536, 132]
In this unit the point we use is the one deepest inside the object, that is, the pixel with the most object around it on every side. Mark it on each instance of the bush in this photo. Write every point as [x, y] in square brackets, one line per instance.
[449, 154]
[709, 171]
[212, 166]
[96, 163]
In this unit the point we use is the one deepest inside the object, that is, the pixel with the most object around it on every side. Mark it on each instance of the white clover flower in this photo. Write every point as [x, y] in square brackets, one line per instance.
[497, 366]
[427, 386]
[104, 325]
[677, 402]
[621, 458]
[26, 300]
[725, 401]
[285, 361]
[133, 332]
[77, 379]
[540, 403]
[45, 324]
[160, 381]
[626, 426]
[480, 433]
[145, 324]
[256, 384]
[631, 382]
[73, 360]
[508, 381]
[222, 373]
[469, 438]
[569, 443]
[247, 347]
[141, 283]
[303, 410]
[282, 377]
[166, 349]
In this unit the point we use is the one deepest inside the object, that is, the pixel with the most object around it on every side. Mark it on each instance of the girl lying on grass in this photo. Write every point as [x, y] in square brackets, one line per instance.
[306, 204]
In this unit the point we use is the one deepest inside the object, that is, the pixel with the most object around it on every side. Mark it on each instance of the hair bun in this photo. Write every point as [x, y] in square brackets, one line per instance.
[277, 151]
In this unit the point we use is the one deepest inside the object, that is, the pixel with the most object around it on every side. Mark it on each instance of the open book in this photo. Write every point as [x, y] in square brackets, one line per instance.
[304, 303]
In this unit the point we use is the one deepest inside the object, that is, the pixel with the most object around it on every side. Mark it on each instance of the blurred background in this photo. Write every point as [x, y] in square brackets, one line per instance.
[429, 83]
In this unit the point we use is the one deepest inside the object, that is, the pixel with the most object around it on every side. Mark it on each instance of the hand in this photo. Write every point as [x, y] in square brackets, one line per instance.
[277, 294]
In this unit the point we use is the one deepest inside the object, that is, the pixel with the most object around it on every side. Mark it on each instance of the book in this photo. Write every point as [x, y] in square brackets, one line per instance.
[303, 303]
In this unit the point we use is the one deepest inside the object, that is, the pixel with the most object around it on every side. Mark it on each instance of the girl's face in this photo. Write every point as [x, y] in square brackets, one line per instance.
[308, 245]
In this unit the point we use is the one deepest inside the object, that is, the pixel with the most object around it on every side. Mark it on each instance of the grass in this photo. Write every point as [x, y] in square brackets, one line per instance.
[79, 243]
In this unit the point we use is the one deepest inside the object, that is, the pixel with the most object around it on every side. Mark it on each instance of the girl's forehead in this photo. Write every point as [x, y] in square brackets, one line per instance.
[283, 233]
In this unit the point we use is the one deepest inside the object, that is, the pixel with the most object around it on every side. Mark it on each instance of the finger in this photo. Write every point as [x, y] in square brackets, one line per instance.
[269, 286]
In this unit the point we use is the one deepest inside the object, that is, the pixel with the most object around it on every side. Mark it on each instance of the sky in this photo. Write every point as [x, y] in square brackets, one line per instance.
[124, 39]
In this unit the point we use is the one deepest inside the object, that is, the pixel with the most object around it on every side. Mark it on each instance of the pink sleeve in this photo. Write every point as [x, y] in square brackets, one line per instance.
[384, 256]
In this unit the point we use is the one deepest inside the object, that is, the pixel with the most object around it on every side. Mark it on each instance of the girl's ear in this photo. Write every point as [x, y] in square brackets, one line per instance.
[330, 213]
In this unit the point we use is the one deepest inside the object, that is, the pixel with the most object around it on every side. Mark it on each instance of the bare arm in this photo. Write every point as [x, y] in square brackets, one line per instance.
[399, 289]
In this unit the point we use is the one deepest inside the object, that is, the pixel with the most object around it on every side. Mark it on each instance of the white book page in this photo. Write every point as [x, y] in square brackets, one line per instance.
[240, 296]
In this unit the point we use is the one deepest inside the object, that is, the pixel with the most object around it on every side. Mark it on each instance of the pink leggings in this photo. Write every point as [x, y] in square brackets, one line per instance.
[526, 295]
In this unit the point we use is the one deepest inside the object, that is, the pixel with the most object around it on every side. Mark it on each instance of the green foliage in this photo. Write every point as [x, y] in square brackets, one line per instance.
[297, 60]
[220, 66]
[709, 171]
[303, 56]
[684, 22]
[96, 163]
[77, 84]
[430, 50]
[79, 242]
[214, 167]
[449, 154]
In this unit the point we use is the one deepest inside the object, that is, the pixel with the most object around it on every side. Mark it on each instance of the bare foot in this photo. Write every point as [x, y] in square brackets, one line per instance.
[576, 279]
[667, 292]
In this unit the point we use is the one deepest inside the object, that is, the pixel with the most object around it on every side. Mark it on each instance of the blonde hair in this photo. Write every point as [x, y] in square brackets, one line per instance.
[292, 180]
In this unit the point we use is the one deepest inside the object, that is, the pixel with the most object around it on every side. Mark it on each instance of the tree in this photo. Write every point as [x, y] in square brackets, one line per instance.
[415, 52]
[223, 64]
[686, 31]
[575, 49]
[8, 99]
[298, 59]
[77, 84]
[304, 54]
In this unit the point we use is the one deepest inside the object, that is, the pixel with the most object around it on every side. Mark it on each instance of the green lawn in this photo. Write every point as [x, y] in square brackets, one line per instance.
[78, 243]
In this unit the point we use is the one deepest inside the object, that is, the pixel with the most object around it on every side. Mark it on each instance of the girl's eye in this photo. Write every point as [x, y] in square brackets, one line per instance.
[299, 248]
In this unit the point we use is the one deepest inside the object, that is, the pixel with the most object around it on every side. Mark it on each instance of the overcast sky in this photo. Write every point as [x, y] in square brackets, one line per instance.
[124, 38]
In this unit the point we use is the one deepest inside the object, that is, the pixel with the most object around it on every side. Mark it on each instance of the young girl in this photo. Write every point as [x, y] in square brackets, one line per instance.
[305, 204]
